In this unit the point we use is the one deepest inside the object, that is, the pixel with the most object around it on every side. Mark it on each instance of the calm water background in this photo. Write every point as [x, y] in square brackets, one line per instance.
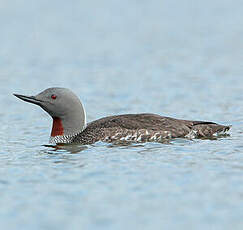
[176, 58]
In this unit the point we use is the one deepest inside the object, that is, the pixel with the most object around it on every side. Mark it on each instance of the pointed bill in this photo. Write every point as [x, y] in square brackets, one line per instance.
[30, 99]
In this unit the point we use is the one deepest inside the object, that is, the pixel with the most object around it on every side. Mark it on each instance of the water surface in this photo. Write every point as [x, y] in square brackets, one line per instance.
[174, 58]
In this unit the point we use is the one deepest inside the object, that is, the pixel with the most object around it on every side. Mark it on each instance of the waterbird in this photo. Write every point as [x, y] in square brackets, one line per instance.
[69, 122]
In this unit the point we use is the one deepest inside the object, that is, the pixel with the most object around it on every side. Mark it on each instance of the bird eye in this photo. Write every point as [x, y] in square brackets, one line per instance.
[53, 96]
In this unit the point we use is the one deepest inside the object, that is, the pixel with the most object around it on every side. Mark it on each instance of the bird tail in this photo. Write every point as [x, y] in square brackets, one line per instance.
[207, 129]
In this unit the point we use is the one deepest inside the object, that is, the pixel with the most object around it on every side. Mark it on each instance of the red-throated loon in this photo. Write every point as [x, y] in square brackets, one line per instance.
[69, 122]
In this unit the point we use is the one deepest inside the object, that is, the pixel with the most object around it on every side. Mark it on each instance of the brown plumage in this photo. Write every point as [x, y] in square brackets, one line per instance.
[145, 127]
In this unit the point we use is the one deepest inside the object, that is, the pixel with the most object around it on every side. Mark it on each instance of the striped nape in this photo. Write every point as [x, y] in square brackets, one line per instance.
[65, 139]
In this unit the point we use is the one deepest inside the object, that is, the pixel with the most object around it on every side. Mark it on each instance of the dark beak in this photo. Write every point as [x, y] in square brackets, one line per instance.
[31, 99]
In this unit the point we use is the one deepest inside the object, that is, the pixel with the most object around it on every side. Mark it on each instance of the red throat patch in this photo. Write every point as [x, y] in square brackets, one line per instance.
[57, 128]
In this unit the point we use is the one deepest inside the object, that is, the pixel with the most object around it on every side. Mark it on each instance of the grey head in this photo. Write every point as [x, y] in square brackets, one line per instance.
[64, 107]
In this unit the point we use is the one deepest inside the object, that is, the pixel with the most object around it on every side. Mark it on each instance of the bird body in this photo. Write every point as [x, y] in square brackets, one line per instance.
[145, 128]
[69, 123]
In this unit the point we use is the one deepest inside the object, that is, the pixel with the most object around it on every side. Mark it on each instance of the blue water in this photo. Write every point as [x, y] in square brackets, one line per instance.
[175, 58]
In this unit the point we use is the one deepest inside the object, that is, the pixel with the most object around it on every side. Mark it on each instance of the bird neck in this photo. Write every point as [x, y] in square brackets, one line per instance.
[69, 125]
[57, 127]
